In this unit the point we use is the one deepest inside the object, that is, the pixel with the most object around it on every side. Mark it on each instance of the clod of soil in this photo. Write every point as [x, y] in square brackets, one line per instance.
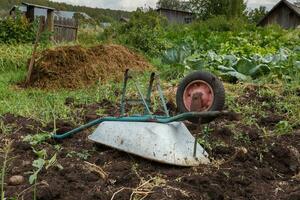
[78, 67]
[16, 180]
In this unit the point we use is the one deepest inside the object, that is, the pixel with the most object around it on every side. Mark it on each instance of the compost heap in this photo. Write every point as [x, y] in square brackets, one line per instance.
[78, 67]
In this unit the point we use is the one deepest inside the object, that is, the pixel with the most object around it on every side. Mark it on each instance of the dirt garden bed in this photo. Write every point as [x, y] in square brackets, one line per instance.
[253, 167]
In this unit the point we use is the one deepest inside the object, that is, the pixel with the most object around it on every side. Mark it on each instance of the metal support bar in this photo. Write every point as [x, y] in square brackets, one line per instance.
[197, 136]
[148, 99]
[123, 100]
[162, 98]
[135, 101]
[143, 98]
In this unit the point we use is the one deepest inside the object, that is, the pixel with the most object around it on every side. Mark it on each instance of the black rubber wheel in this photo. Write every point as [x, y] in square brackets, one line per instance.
[204, 79]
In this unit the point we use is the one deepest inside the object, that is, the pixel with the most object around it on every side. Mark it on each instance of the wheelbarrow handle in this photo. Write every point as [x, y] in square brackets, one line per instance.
[146, 118]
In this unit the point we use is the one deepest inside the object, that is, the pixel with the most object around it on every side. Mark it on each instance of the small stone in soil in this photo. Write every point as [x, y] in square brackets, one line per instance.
[16, 180]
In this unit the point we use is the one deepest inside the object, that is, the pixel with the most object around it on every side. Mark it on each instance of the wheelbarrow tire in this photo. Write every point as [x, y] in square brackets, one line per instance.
[215, 85]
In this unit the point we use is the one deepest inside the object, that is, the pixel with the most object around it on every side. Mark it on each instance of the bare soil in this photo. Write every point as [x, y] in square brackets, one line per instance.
[79, 67]
[254, 167]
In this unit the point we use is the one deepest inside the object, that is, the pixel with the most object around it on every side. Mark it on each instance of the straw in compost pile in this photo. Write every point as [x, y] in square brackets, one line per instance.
[78, 67]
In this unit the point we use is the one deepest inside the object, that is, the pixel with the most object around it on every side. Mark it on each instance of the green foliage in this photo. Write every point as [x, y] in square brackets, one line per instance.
[170, 4]
[219, 46]
[37, 139]
[16, 30]
[14, 57]
[209, 8]
[144, 32]
[90, 35]
[221, 24]
[283, 128]
[282, 64]
[84, 155]
[257, 14]
[39, 164]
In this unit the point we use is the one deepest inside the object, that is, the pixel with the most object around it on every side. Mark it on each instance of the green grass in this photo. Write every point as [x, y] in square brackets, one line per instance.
[45, 106]
[281, 100]
[42, 105]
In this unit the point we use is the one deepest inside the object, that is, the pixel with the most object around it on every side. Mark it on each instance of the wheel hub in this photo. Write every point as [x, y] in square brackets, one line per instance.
[201, 89]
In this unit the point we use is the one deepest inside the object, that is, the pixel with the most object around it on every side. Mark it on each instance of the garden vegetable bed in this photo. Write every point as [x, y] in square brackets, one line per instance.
[246, 162]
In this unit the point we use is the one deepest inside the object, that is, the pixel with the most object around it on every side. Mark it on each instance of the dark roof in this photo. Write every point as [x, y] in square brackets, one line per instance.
[124, 19]
[174, 10]
[293, 7]
[37, 6]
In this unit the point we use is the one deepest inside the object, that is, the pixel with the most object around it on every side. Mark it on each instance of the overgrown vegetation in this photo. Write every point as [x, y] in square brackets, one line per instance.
[16, 30]
[233, 51]
[231, 48]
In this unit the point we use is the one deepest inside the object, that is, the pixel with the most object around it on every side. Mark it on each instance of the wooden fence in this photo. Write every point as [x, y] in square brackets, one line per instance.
[65, 29]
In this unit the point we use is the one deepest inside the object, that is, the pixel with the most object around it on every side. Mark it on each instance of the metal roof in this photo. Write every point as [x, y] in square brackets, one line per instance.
[37, 6]
[174, 10]
[70, 14]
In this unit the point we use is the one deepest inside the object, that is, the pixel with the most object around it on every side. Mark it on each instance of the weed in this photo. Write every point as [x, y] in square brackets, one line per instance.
[283, 128]
[38, 165]
[5, 129]
[242, 137]
[84, 155]
[6, 150]
[37, 139]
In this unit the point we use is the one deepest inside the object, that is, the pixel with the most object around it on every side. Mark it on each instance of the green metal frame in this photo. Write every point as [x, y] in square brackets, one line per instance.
[146, 102]
[147, 117]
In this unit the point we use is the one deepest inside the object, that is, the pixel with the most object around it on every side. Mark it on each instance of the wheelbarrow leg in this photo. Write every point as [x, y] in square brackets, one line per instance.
[197, 106]
[198, 131]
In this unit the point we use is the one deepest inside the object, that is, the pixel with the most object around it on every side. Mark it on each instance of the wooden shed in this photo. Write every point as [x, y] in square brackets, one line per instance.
[62, 24]
[33, 11]
[176, 16]
[286, 14]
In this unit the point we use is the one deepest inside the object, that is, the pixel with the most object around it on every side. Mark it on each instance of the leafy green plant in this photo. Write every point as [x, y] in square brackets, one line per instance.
[175, 59]
[283, 64]
[39, 164]
[283, 127]
[6, 150]
[37, 138]
[84, 155]
[16, 30]
[144, 31]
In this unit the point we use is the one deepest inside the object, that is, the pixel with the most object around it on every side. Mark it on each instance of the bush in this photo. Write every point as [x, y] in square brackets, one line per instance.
[221, 23]
[17, 30]
[144, 31]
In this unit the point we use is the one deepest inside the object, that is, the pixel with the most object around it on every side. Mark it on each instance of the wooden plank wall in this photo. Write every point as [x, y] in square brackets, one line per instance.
[65, 29]
[283, 16]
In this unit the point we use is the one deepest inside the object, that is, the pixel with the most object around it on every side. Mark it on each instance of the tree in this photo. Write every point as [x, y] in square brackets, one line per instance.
[257, 14]
[171, 4]
[209, 8]
[236, 8]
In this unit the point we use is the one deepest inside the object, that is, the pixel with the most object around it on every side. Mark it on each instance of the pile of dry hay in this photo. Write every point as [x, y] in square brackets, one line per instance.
[78, 67]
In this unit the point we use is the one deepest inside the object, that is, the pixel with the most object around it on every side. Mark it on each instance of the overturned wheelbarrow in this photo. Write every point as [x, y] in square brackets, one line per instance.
[165, 138]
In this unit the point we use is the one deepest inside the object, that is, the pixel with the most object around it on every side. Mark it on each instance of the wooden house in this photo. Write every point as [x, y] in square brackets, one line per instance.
[284, 13]
[176, 16]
